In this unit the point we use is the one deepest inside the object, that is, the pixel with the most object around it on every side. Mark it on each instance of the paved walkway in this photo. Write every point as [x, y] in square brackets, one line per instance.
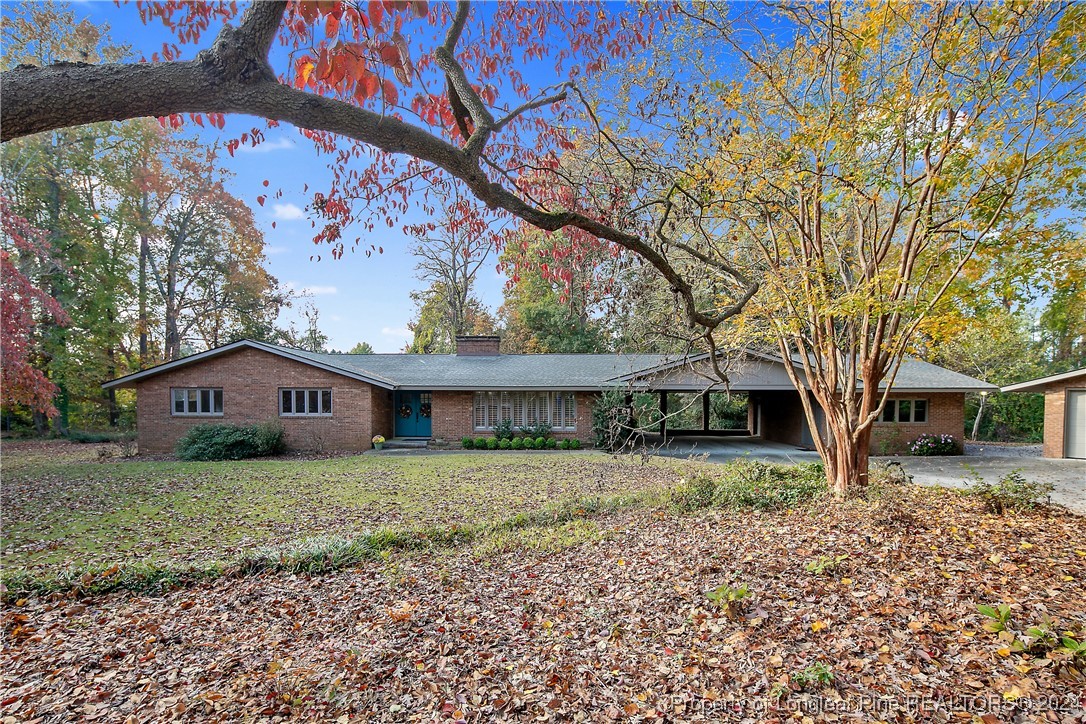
[990, 462]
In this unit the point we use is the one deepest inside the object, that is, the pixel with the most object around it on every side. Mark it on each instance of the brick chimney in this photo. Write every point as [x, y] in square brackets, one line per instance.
[477, 346]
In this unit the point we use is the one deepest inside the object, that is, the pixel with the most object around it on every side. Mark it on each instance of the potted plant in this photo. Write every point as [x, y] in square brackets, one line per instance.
[378, 442]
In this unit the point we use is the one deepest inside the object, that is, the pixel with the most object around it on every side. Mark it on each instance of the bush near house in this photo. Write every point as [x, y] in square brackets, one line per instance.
[231, 442]
[928, 444]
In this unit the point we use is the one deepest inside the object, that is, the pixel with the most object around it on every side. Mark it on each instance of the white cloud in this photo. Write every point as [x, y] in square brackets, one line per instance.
[317, 291]
[279, 144]
[271, 250]
[287, 212]
[402, 332]
[310, 291]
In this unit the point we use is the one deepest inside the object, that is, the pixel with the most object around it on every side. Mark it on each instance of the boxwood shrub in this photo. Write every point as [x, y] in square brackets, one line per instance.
[467, 443]
[231, 442]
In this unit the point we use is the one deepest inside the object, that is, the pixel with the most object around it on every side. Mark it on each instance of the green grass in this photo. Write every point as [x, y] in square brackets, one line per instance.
[65, 512]
[73, 525]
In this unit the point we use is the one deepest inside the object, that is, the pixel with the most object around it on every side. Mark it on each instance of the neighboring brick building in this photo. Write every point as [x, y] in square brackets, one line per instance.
[1065, 412]
[340, 401]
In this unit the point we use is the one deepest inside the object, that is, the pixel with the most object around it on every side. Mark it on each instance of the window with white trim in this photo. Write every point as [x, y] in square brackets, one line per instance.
[304, 402]
[196, 401]
[557, 409]
[915, 410]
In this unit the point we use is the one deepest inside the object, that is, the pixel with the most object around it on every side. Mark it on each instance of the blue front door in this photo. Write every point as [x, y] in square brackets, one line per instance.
[413, 411]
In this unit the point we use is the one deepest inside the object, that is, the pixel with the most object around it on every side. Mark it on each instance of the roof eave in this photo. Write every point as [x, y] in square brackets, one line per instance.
[1039, 384]
[135, 377]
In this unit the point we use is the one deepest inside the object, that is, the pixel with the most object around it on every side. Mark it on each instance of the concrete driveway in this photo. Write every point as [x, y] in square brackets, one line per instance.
[723, 449]
[991, 463]
[1069, 476]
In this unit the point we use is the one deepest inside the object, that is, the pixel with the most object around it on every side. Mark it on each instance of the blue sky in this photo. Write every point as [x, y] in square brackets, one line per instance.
[359, 298]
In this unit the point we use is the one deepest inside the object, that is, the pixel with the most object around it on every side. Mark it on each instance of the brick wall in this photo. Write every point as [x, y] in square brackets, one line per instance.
[453, 417]
[381, 413]
[250, 380]
[1056, 415]
[485, 346]
[946, 416]
[782, 420]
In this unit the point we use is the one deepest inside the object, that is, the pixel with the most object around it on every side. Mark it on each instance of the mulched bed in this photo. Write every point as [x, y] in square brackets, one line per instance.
[619, 630]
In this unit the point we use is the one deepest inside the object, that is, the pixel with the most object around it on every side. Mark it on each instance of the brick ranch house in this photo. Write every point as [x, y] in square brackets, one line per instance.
[1065, 412]
[340, 401]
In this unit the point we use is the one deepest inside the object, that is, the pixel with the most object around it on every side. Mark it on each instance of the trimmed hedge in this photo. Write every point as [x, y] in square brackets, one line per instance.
[231, 442]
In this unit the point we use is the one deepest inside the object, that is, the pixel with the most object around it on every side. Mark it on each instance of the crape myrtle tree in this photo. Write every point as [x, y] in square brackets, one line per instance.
[854, 166]
[858, 168]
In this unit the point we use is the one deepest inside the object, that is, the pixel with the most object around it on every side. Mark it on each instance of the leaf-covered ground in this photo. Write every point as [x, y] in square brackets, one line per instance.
[615, 628]
[61, 507]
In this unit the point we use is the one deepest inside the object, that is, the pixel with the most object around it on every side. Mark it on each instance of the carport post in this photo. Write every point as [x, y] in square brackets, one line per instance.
[663, 415]
[705, 411]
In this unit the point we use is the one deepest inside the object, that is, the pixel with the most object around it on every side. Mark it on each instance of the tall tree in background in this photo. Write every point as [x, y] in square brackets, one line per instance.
[430, 327]
[22, 305]
[361, 348]
[49, 180]
[206, 256]
[105, 197]
[555, 295]
[312, 338]
[450, 251]
[996, 348]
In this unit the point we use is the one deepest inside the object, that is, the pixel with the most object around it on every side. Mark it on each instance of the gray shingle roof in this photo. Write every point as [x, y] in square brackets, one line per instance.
[919, 375]
[553, 371]
[506, 371]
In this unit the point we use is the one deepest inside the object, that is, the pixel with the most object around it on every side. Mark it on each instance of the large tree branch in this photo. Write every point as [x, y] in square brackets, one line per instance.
[233, 76]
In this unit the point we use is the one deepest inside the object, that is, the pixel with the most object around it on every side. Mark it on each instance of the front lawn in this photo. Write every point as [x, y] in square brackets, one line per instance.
[868, 610]
[63, 508]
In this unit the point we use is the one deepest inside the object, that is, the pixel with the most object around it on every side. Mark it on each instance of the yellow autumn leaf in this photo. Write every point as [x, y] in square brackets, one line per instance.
[818, 626]
[306, 71]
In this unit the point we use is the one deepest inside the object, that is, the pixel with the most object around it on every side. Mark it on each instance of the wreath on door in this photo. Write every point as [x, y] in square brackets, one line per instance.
[424, 410]
[406, 411]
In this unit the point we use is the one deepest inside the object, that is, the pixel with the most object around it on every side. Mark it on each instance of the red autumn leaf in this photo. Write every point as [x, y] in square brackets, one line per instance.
[376, 12]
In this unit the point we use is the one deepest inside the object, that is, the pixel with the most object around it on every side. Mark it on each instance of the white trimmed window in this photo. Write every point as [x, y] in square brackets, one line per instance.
[307, 402]
[905, 411]
[557, 409]
[196, 401]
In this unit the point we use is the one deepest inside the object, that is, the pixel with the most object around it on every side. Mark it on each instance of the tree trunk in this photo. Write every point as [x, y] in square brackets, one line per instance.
[980, 414]
[145, 251]
[847, 456]
[173, 338]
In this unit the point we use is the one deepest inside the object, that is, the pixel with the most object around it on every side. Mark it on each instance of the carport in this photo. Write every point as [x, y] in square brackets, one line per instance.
[684, 405]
